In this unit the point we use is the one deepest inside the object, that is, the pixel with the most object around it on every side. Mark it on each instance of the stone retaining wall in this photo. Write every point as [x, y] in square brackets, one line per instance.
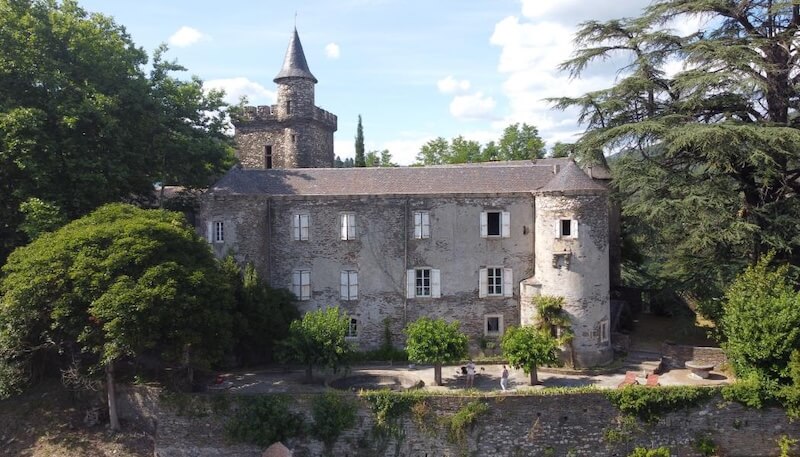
[677, 355]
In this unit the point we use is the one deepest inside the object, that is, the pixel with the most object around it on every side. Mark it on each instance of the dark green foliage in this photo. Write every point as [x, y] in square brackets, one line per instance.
[118, 283]
[360, 160]
[261, 314]
[520, 142]
[527, 347]
[82, 125]
[333, 413]
[465, 417]
[388, 406]
[705, 446]
[710, 156]
[649, 404]
[263, 420]
[761, 322]
[318, 340]
[754, 390]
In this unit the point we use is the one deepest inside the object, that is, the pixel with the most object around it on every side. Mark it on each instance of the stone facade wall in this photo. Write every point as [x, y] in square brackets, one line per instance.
[576, 269]
[558, 425]
[677, 355]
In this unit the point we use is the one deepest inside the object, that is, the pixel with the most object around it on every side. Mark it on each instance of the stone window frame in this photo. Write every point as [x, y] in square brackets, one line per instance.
[352, 328]
[500, 325]
[506, 285]
[559, 226]
[301, 283]
[434, 283]
[300, 231]
[422, 224]
[216, 231]
[348, 285]
[347, 226]
[504, 224]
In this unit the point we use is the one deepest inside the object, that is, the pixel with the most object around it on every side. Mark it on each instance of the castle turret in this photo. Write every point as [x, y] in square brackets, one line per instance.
[571, 260]
[293, 133]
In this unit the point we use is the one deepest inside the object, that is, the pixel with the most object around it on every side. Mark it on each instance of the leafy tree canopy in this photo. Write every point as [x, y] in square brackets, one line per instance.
[117, 283]
[527, 347]
[518, 142]
[710, 170]
[319, 339]
[435, 341]
[82, 125]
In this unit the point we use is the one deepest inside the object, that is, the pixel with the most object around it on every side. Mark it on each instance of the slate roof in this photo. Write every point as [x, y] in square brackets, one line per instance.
[571, 179]
[486, 178]
[294, 64]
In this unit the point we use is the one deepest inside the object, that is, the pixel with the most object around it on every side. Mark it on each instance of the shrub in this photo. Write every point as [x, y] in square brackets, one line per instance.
[457, 424]
[648, 403]
[263, 420]
[333, 413]
[644, 452]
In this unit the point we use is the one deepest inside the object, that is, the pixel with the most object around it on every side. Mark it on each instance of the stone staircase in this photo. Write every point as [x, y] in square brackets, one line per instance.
[641, 361]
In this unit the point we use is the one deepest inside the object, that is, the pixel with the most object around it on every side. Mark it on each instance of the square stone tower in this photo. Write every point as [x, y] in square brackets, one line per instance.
[293, 133]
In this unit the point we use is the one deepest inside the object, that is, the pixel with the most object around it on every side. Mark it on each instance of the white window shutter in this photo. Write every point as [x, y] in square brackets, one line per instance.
[506, 220]
[426, 225]
[210, 232]
[295, 226]
[483, 286]
[343, 287]
[343, 219]
[484, 225]
[436, 284]
[574, 228]
[297, 283]
[411, 285]
[417, 225]
[351, 226]
[305, 223]
[557, 228]
[353, 285]
[508, 282]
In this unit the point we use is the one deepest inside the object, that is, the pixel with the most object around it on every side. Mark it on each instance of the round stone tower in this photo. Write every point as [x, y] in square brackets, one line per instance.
[571, 260]
[293, 133]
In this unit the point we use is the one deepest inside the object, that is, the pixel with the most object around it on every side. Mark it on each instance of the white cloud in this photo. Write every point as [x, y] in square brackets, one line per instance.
[472, 106]
[332, 51]
[186, 36]
[450, 85]
[235, 88]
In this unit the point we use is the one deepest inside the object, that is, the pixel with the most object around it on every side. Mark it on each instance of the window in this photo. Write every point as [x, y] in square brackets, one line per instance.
[300, 227]
[352, 329]
[493, 325]
[495, 224]
[603, 331]
[294, 138]
[424, 283]
[348, 226]
[268, 156]
[566, 228]
[495, 282]
[301, 284]
[422, 224]
[216, 232]
[288, 107]
[348, 285]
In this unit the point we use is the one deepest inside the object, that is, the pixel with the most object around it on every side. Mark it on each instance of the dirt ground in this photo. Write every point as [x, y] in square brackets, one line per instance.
[652, 331]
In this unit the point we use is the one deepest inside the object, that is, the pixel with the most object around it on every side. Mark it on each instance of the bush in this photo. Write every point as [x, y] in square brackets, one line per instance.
[644, 452]
[263, 420]
[648, 404]
[755, 390]
[333, 413]
[463, 418]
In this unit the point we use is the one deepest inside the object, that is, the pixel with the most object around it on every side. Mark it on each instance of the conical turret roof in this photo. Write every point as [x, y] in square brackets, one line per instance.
[294, 64]
[571, 179]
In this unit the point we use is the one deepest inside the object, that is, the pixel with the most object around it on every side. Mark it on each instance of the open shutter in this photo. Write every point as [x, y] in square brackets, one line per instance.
[351, 226]
[296, 227]
[484, 225]
[508, 282]
[343, 226]
[297, 283]
[426, 225]
[506, 227]
[436, 284]
[353, 280]
[483, 285]
[410, 284]
[210, 232]
[343, 287]
[574, 228]
[417, 225]
[305, 225]
[557, 228]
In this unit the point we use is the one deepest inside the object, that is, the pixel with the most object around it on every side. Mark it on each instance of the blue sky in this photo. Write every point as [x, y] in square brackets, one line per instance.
[414, 70]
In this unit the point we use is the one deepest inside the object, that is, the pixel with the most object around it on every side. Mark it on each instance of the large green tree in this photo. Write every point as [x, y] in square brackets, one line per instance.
[518, 142]
[116, 284]
[437, 342]
[319, 339]
[710, 170]
[81, 124]
[360, 160]
[528, 348]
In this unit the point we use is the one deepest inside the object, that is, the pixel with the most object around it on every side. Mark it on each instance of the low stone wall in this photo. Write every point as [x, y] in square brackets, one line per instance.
[677, 355]
[584, 424]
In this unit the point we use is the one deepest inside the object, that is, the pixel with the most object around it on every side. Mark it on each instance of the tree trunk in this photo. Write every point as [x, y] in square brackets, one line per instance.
[437, 374]
[534, 376]
[113, 419]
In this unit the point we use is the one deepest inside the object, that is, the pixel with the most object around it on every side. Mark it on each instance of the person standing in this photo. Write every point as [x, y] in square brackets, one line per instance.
[470, 374]
[504, 379]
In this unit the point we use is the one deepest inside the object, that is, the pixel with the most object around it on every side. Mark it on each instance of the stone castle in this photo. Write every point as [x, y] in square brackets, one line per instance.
[471, 242]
